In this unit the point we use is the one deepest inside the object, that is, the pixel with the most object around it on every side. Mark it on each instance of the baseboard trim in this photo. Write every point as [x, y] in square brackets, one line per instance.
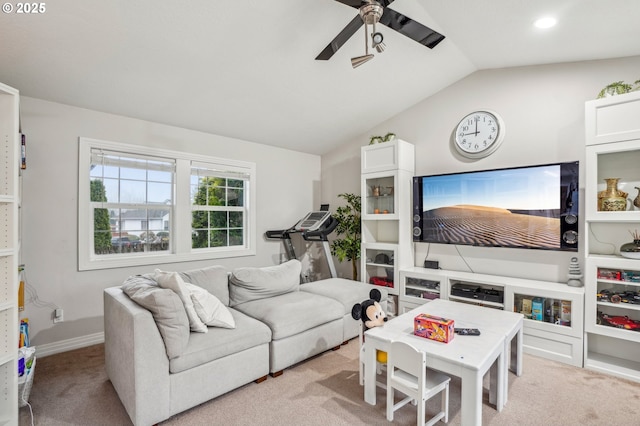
[69, 344]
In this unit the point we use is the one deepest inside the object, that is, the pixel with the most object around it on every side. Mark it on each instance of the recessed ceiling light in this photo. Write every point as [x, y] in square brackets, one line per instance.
[546, 22]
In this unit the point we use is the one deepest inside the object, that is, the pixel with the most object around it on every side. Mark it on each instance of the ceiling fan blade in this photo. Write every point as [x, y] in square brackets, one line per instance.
[358, 3]
[412, 29]
[352, 3]
[340, 39]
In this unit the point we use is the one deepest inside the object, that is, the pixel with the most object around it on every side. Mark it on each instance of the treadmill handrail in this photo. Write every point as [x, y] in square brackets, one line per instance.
[278, 234]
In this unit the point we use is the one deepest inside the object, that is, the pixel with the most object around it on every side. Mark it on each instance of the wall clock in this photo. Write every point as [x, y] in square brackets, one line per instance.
[479, 134]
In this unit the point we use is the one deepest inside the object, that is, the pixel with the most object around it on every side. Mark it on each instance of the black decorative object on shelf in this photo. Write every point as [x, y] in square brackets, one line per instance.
[631, 249]
[478, 293]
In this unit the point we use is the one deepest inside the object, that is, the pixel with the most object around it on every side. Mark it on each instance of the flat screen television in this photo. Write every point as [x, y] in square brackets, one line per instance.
[531, 207]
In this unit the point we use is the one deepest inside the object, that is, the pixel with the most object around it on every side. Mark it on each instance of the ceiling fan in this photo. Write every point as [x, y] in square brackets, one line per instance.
[371, 12]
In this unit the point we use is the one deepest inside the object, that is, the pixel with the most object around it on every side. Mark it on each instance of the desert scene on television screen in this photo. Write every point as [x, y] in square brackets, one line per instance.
[490, 226]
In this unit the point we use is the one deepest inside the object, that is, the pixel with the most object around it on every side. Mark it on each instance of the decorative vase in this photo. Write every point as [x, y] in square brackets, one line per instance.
[636, 201]
[631, 250]
[612, 199]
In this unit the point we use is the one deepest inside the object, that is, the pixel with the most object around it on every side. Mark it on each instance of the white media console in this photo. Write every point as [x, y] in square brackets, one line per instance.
[554, 312]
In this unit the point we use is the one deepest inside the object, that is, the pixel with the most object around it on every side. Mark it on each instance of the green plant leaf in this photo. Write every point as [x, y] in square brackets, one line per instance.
[389, 137]
[347, 248]
[615, 88]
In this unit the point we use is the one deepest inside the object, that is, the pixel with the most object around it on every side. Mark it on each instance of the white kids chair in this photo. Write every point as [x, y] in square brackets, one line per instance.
[380, 366]
[371, 314]
[407, 372]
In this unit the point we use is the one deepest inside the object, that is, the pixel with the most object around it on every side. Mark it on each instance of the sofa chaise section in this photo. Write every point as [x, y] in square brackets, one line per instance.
[347, 293]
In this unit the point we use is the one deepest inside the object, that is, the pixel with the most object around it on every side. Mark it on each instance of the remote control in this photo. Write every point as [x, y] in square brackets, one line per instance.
[467, 331]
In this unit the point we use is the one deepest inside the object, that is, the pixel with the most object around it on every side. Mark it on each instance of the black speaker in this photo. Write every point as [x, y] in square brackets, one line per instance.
[569, 231]
[417, 210]
[417, 227]
[570, 196]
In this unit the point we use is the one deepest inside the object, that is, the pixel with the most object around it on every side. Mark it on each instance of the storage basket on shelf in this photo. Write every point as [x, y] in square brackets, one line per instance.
[25, 382]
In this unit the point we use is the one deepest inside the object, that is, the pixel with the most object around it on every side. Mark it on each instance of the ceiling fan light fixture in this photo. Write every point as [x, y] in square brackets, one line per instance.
[377, 42]
[359, 60]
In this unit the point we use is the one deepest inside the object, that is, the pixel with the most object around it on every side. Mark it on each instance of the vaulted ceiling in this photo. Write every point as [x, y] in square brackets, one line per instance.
[247, 69]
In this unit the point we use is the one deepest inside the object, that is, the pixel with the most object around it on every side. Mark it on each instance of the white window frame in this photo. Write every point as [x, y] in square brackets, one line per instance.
[220, 171]
[180, 250]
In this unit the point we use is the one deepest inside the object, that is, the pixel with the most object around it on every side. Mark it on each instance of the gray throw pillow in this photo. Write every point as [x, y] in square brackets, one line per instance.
[247, 284]
[214, 279]
[172, 281]
[166, 308]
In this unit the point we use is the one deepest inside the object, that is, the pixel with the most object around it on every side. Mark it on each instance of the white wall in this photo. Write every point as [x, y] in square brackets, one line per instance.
[543, 110]
[288, 185]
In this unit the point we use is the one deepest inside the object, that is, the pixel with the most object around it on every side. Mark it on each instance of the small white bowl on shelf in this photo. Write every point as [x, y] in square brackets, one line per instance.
[630, 254]
[631, 250]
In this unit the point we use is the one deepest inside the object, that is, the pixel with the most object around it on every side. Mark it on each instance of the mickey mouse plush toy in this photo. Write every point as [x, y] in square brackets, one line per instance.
[372, 315]
[370, 311]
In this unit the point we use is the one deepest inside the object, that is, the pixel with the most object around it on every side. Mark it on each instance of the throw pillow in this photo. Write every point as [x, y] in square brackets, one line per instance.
[214, 279]
[259, 283]
[210, 309]
[172, 281]
[167, 311]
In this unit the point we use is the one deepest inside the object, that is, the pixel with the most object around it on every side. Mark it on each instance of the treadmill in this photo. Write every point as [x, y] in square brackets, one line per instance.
[315, 227]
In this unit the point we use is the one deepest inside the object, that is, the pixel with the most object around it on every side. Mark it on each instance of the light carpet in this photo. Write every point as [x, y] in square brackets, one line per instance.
[72, 389]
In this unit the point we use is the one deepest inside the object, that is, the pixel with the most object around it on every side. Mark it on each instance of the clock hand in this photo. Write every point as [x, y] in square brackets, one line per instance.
[472, 133]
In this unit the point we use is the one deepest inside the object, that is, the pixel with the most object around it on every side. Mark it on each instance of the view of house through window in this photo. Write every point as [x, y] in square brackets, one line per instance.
[132, 202]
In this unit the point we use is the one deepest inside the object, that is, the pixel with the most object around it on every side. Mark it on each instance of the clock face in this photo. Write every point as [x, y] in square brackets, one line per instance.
[479, 134]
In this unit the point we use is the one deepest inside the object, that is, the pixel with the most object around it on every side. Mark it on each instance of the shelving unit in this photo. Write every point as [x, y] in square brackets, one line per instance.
[612, 128]
[387, 170]
[9, 160]
[557, 334]
[418, 286]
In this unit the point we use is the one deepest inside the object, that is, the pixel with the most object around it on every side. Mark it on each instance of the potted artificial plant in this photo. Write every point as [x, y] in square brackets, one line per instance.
[347, 246]
[615, 88]
[379, 139]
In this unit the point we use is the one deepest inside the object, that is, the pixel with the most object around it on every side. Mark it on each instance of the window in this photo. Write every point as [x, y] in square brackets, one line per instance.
[131, 197]
[139, 206]
[218, 206]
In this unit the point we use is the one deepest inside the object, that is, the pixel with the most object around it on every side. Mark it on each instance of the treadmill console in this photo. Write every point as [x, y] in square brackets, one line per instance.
[312, 221]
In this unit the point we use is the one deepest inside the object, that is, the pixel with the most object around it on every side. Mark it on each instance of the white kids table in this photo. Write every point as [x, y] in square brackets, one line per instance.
[467, 357]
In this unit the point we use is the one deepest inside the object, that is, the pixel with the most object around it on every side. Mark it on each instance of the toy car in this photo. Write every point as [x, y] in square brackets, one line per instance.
[607, 295]
[618, 321]
[604, 295]
[632, 297]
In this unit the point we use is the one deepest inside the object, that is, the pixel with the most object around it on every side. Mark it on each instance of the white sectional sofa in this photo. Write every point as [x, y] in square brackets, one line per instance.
[160, 367]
